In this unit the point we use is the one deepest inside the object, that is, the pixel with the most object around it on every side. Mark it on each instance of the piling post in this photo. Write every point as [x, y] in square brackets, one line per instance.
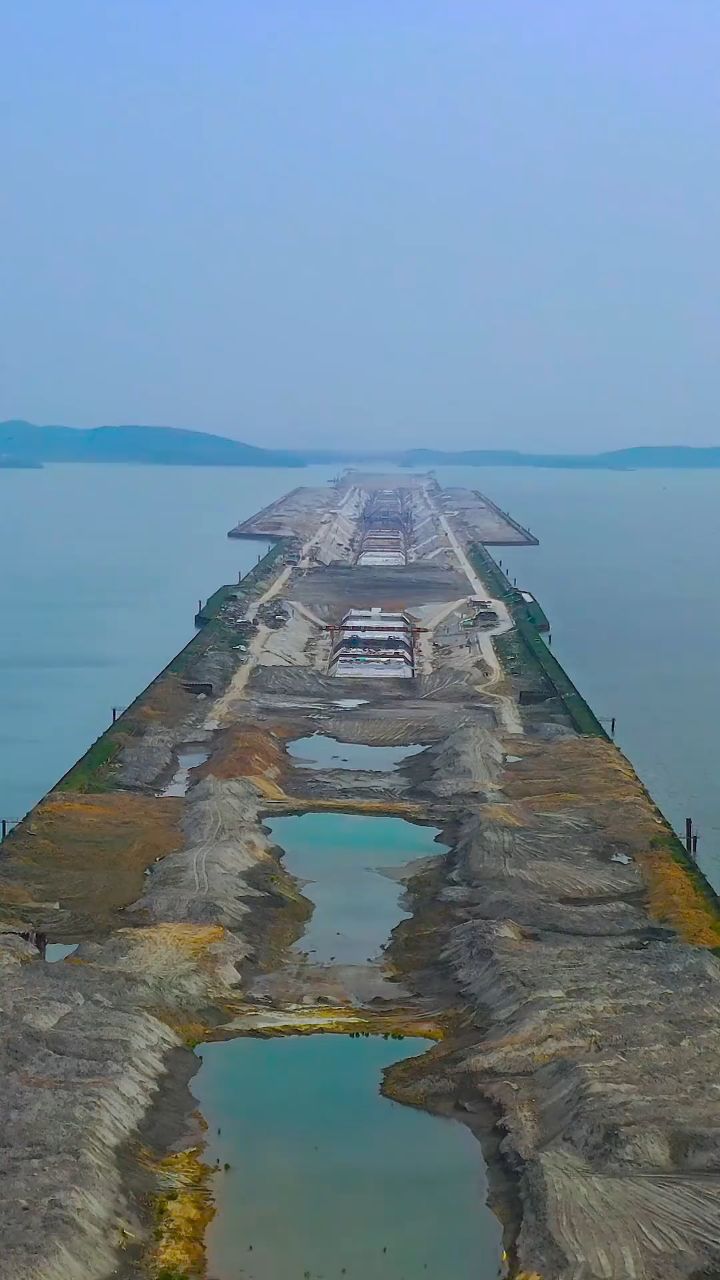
[3, 828]
[612, 727]
[694, 846]
[688, 835]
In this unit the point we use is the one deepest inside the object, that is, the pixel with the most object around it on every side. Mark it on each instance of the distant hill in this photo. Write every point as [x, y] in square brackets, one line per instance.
[10, 462]
[22, 444]
[634, 459]
[671, 456]
[158, 445]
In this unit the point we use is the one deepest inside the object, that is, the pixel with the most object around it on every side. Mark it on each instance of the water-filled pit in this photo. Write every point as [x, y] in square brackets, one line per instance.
[55, 951]
[188, 757]
[321, 752]
[339, 858]
[328, 1178]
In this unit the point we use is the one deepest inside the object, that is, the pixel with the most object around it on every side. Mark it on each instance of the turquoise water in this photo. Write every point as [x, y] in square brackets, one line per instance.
[356, 907]
[327, 1178]
[329, 753]
[55, 951]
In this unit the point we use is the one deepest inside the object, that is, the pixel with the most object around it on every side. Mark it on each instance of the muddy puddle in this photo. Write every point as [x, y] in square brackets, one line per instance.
[327, 1178]
[339, 858]
[321, 752]
[188, 757]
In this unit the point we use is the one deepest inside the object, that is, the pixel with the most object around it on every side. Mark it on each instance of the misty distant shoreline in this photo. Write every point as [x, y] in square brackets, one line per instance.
[25, 445]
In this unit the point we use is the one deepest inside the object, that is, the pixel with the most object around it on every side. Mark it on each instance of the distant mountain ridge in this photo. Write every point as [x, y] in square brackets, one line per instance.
[153, 445]
[22, 444]
[642, 457]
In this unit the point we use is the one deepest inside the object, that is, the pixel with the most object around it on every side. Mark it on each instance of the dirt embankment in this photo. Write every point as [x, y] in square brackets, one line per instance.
[88, 1042]
[592, 1030]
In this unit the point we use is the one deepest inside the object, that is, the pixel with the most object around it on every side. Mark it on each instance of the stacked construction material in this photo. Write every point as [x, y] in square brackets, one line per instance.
[384, 530]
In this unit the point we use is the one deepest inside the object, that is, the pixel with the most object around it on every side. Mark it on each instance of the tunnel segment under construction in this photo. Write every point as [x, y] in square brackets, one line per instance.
[385, 528]
[362, 842]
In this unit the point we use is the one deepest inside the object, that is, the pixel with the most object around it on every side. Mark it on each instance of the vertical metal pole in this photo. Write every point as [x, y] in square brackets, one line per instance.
[694, 846]
[199, 606]
[3, 829]
[612, 727]
[114, 714]
[688, 835]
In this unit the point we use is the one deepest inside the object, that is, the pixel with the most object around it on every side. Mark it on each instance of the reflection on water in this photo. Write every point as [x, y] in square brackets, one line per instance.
[327, 1178]
[188, 758]
[356, 906]
[328, 753]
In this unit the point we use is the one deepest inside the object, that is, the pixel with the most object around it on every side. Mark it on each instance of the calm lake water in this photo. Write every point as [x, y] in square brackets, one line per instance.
[102, 568]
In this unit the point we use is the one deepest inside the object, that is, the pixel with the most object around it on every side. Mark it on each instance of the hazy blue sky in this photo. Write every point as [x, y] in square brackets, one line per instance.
[485, 223]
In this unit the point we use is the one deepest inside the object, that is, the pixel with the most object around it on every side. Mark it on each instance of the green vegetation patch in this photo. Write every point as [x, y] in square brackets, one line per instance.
[214, 604]
[86, 774]
[536, 615]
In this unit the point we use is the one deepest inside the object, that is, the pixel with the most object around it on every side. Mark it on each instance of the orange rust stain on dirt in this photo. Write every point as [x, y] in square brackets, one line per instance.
[271, 790]
[401, 808]
[247, 751]
[504, 815]
[675, 899]
[89, 852]
[183, 1209]
[164, 700]
[193, 939]
[588, 774]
